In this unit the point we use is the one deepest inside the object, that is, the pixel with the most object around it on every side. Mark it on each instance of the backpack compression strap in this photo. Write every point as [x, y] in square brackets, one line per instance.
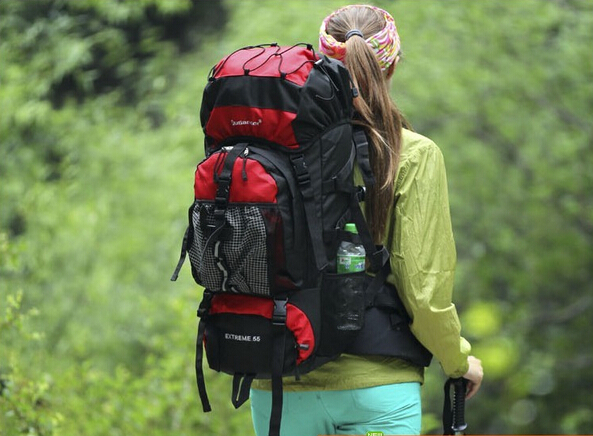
[223, 179]
[278, 347]
[313, 218]
[359, 137]
[241, 386]
[184, 248]
[202, 314]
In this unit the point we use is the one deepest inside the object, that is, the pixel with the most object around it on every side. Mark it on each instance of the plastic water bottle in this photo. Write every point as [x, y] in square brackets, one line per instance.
[350, 256]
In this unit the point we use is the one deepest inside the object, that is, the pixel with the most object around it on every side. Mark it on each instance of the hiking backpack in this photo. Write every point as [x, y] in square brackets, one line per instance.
[272, 197]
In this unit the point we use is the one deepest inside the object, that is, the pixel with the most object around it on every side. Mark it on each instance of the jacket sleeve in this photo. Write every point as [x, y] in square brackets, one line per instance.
[423, 256]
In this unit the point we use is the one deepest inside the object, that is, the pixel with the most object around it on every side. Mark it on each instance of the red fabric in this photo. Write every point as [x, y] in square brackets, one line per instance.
[296, 320]
[236, 121]
[269, 62]
[259, 187]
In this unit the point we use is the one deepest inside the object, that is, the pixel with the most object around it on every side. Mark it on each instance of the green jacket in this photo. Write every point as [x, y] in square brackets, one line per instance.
[423, 261]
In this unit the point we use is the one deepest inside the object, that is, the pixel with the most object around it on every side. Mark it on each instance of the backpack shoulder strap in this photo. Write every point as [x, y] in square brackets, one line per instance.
[313, 217]
[361, 142]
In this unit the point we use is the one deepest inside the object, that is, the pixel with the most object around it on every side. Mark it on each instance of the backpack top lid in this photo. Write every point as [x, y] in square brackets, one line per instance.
[291, 63]
[280, 96]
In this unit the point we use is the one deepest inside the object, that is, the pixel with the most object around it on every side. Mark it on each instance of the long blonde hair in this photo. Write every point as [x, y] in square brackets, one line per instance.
[376, 110]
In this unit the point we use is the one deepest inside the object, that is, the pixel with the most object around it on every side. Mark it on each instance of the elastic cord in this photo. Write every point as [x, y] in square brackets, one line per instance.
[352, 33]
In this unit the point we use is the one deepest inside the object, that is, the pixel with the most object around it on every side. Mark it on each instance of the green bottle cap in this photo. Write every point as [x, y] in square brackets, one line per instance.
[351, 227]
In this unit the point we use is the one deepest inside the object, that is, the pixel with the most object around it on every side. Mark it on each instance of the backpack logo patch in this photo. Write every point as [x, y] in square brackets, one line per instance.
[246, 122]
[242, 338]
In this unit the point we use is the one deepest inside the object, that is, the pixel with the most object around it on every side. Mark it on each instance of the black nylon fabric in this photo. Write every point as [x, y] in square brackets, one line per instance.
[295, 273]
[326, 100]
[260, 92]
[387, 330]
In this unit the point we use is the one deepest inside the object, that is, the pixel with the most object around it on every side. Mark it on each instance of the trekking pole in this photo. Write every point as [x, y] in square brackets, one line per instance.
[459, 424]
[454, 417]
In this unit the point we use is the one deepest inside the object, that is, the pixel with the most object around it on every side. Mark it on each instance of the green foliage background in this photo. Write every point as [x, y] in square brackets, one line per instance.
[99, 136]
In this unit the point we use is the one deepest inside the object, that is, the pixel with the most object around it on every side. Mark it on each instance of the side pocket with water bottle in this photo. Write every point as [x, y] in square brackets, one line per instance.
[342, 296]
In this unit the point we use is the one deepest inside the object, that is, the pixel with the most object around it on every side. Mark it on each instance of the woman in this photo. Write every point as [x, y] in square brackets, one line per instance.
[356, 394]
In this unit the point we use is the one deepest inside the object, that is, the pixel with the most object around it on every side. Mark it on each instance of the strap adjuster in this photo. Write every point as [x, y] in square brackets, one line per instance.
[222, 193]
[301, 170]
[205, 304]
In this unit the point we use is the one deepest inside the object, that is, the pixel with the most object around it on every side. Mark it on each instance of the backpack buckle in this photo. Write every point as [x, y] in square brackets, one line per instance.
[222, 193]
[361, 192]
[205, 304]
[301, 170]
[279, 313]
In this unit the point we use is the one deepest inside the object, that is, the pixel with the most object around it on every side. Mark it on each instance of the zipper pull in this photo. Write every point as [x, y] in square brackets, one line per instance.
[244, 171]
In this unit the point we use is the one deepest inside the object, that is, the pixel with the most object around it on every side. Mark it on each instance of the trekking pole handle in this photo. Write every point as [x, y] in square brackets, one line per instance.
[459, 424]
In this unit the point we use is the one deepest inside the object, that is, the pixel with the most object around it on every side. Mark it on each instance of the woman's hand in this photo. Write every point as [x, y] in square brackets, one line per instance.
[474, 376]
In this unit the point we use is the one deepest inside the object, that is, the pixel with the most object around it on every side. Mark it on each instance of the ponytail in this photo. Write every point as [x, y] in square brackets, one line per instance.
[375, 110]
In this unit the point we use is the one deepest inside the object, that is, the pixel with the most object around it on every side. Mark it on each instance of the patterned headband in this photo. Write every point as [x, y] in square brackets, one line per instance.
[385, 43]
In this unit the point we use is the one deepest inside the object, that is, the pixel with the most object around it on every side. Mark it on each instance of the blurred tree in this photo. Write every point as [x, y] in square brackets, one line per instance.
[87, 91]
[82, 48]
[55, 50]
[71, 69]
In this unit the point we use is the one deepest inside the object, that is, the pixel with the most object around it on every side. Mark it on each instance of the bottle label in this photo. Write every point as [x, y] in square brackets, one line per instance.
[350, 264]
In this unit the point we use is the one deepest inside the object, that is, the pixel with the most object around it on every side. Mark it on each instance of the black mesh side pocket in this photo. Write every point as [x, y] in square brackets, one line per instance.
[237, 259]
[342, 310]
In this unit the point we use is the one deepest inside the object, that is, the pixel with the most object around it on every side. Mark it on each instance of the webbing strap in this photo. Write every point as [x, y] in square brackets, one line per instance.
[378, 256]
[182, 256]
[361, 143]
[278, 347]
[241, 386]
[311, 214]
[224, 178]
[187, 241]
[374, 298]
[277, 391]
[202, 314]
[199, 371]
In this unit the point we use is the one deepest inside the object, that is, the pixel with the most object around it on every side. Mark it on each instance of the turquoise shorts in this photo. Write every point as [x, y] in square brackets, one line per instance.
[391, 409]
